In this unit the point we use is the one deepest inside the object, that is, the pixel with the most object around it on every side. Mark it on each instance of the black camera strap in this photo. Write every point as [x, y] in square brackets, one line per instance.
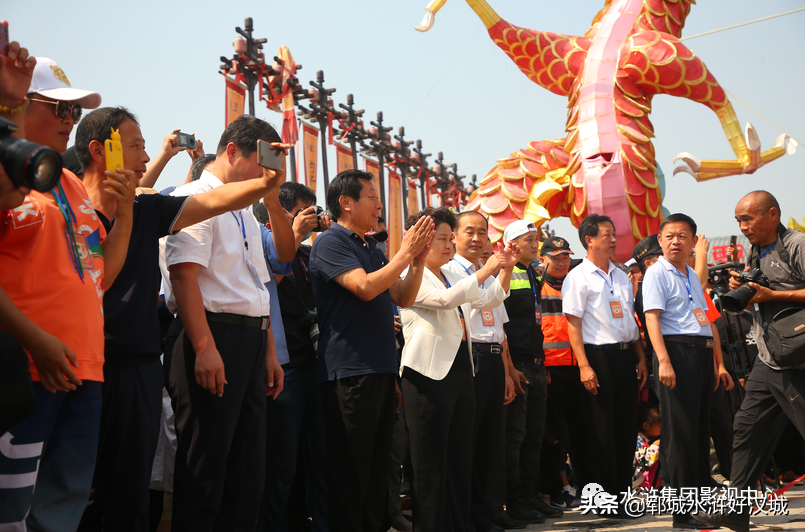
[754, 263]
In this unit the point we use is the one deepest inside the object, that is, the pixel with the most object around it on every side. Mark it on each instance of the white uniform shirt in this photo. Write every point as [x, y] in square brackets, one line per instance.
[483, 333]
[228, 268]
[591, 294]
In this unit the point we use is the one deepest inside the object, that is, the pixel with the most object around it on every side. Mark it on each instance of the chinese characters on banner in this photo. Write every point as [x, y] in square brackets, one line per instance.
[413, 201]
[721, 253]
[394, 219]
[310, 137]
[343, 157]
[373, 168]
[235, 95]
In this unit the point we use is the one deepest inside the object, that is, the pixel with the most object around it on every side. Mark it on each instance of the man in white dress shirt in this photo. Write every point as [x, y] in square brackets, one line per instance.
[493, 385]
[598, 301]
[222, 357]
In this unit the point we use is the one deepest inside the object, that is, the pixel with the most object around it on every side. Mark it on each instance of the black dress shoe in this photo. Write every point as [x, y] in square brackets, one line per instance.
[505, 522]
[737, 522]
[542, 507]
[689, 523]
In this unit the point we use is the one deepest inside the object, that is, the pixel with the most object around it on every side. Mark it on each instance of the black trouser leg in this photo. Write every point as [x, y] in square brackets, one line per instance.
[359, 416]
[772, 398]
[399, 441]
[721, 431]
[613, 412]
[570, 397]
[525, 428]
[490, 384]
[220, 459]
[440, 416]
[685, 413]
[130, 415]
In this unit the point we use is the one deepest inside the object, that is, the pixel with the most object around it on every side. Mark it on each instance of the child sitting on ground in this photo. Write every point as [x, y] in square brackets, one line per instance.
[647, 453]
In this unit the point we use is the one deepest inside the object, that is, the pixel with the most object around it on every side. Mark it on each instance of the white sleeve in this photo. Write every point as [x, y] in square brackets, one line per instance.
[574, 294]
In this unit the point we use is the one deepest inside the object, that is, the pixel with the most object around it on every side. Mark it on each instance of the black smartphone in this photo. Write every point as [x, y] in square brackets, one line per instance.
[188, 141]
[268, 156]
[4, 38]
[733, 240]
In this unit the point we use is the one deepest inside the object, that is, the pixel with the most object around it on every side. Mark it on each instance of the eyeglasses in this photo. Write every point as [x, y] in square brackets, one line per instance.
[62, 108]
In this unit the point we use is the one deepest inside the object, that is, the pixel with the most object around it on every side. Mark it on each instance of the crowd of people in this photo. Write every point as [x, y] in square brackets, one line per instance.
[225, 356]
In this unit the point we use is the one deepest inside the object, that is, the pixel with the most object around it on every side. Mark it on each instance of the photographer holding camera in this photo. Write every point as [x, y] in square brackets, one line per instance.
[775, 389]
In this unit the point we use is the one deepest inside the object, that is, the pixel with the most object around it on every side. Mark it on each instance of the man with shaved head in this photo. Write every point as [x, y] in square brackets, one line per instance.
[773, 394]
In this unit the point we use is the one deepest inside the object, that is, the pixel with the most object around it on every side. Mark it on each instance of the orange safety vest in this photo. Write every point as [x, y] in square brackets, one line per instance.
[554, 328]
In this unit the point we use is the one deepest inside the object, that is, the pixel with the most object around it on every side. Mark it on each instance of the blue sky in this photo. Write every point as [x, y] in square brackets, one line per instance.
[451, 87]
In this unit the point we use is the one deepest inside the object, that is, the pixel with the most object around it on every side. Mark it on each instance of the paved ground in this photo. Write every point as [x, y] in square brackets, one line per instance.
[575, 521]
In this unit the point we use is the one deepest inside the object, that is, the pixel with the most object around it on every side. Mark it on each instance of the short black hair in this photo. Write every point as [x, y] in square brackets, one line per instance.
[589, 226]
[641, 263]
[244, 132]
[647, 413]
[347, 183]
[764, 200]
[291, 193]
[199, 165]
[442, 215]
[464, 214]
[679, 218]
[98, 125]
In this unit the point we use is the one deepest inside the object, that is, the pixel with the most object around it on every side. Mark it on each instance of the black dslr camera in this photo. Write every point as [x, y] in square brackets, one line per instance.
[736, 301]
[27, 164]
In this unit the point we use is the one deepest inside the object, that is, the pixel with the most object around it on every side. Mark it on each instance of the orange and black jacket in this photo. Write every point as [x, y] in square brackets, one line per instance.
[556, 342]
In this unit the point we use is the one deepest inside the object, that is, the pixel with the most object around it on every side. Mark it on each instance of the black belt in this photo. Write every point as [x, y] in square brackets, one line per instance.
[243, 321]
[701, 341]
[491, 348]
[620, 346]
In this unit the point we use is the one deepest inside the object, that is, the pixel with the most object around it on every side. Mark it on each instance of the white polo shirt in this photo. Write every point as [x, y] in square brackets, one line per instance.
[591, 294]
[232, 277]
[491, 292]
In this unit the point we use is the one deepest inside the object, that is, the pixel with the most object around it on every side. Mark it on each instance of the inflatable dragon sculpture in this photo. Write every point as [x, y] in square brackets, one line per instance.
[606, 164]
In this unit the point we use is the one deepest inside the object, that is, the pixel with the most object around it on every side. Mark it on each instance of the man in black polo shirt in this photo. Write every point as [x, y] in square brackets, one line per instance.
[354, 286]
[133, 375]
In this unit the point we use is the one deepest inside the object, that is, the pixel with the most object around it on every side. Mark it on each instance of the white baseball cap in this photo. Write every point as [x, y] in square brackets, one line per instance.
[518, 228]
[50, 81]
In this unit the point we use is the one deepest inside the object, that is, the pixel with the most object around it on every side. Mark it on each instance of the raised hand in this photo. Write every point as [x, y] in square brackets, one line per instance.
[272, 179]
[16, 70]
[418, 238]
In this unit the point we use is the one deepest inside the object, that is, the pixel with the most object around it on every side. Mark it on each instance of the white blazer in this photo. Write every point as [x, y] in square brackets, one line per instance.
[432, 326]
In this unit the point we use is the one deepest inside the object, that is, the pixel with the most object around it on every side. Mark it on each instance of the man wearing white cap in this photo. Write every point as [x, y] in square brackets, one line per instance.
[525, 421]
[57, 261]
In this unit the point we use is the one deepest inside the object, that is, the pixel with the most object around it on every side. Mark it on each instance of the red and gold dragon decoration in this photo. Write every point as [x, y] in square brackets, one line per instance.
[606, 163]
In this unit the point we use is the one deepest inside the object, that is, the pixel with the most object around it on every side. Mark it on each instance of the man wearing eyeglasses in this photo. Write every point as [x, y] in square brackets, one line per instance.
[57, 261]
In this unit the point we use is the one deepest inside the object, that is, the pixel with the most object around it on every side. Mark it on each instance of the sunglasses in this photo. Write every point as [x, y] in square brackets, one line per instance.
[62, 108]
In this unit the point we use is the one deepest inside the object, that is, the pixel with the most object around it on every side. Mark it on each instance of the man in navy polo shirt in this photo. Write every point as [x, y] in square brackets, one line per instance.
[683, 360]
[354, 285]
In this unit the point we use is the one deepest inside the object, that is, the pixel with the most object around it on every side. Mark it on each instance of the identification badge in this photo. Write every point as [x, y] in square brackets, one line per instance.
[701, 317]
[487, 317]
[538, 313]
[255, 277]
[616, 308]
[463, 330]
[81, 248]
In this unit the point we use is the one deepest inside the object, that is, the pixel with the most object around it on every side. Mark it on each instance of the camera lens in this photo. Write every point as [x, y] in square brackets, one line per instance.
[30, 165]
[737, 300]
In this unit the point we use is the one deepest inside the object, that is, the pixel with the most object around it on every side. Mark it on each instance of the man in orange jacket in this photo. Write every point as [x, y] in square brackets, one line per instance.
[564, 411]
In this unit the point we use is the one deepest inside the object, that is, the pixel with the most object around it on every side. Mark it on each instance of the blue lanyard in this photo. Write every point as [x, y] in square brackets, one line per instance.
[611, 282]
[687, 282]
[64, 207]
[466, 270]
[767, 249]
[460, 312]
[242, 228]
[533, 283]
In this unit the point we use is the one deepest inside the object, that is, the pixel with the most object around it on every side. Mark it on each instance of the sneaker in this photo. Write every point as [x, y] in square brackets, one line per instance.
[566, 499]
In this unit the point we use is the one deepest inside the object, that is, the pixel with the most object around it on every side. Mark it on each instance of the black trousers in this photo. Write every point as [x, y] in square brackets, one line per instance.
[358, 419]
[611, 442]
[721, 431]
[525, 428]
[220, 458]
[772, 398]
[440, 417]
[487, 432]
[131, 409]
[567, 417]
[685, 413]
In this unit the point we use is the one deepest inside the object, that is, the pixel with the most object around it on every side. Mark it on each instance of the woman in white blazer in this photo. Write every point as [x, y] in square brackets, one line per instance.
[437, 385]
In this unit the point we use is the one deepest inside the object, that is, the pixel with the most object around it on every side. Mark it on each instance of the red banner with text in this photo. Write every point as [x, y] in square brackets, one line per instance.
[310, 137]
[394, 220]
[235, 96]
[343, 158]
